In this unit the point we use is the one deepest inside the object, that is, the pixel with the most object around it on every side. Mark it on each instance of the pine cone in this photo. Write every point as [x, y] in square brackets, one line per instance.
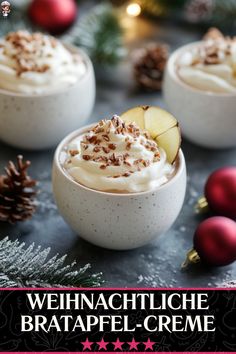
[16, 192]
[199, 10]
[149, 66]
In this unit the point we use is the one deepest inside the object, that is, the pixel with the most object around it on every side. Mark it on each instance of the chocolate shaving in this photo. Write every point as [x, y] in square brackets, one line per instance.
[73, 152]
[86, 157]
[126, 174]
[112, 146]
[128, 146]
[127, 163]
[106, 137]
[106, 150]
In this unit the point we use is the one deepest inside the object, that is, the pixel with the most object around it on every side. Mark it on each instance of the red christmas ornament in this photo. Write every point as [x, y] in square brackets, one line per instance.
[55, 16]
[214, 242]
[220, 193]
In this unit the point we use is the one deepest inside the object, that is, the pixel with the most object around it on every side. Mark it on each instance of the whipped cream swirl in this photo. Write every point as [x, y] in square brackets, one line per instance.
[117, 157]
[210, 65]
[37, 63]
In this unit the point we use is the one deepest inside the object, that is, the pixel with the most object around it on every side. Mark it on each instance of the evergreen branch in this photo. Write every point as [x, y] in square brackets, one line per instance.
[31, 267]
[224, 12]
[100, 34]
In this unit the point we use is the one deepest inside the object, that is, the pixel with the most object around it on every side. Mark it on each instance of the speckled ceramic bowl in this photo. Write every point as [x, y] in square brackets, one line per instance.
[206, 118]
[41, 121]
[112, 220]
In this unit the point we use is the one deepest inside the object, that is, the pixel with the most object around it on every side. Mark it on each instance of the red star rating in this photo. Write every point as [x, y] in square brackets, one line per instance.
[118, 344]
[87, 344]
[148, 344]
[133, 344]
[102, 344]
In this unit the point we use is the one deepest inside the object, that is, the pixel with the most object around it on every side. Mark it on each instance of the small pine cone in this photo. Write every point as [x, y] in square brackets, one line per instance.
[214, 34]
[199, 10]
[16, 192]
[149, 66]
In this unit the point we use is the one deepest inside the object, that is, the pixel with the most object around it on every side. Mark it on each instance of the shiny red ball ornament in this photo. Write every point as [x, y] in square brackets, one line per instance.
[220, 192]
[214, 242]
[54, 16]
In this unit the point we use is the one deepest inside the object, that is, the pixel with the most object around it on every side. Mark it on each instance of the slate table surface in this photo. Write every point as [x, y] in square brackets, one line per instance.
[157, 264]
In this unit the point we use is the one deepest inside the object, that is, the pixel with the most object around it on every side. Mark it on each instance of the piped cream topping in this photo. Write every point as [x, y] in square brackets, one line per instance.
[37, 63]
[210, 65]
[115, 156]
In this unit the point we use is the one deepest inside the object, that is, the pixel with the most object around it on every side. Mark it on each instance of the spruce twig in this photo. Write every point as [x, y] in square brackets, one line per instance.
[31, 267]
[100, 34]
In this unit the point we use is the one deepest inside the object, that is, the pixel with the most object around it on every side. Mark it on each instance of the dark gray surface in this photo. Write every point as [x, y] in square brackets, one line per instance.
[157, 264]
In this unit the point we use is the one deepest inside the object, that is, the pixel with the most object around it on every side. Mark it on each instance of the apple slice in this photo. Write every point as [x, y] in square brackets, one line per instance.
[170, 142]
[157, 121]
[136, 115]
[162, 126]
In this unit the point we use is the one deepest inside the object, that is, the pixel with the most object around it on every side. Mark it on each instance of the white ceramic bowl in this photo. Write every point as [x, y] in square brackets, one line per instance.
[207, 119]
[41, 121]
[112, 220]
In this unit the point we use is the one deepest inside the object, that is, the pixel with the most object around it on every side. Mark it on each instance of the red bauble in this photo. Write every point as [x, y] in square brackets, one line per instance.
[215, 241]
[55, 16]
[220, 192]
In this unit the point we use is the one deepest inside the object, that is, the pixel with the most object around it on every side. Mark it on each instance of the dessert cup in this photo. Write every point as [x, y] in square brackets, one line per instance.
[40, 121]
[206, 118]
[118, 221]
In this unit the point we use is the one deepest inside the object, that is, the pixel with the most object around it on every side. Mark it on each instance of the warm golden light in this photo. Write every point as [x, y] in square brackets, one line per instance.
[133, 9]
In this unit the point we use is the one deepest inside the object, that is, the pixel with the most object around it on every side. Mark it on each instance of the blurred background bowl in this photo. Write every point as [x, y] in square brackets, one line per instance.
[206, 118]
[40, 121]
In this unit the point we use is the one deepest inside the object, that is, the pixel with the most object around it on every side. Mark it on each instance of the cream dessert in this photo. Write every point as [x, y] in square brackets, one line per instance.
[37, 63]
[210, 65]
[117, 156]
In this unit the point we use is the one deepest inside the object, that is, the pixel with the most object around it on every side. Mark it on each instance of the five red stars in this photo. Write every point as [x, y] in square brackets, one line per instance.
[118, 344]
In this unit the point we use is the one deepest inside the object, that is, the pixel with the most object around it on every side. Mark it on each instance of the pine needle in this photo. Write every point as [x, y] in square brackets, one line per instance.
[32, 267]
